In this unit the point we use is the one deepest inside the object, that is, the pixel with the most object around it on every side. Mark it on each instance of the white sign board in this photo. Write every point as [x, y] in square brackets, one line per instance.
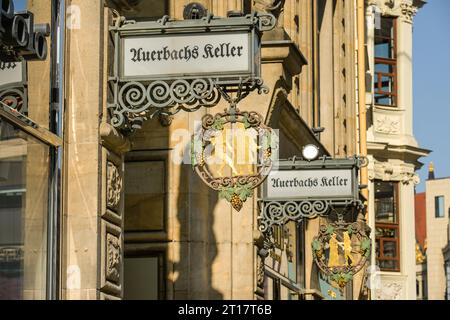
[11, 73]
[186, 55]
[303, 184]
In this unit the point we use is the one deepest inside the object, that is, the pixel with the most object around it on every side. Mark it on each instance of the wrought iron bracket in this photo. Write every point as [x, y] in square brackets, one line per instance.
[132, 101]
[278, 212]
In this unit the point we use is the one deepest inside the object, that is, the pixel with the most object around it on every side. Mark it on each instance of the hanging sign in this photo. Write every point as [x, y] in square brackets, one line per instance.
[320, 179]
[223, 49]
[187, 54]
[164, 66]
[13, 89]
[341, 250]
[309, 184]
[11, 73]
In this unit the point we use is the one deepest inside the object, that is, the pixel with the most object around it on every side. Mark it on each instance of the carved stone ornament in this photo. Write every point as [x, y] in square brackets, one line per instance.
[410, 177]
[387, 125]
[260, 272]
[408, 11]
[113, 258]
[405, 9]
[114, 186]
[389, 291]
[388, 172]
[270, 6]
[341, 250]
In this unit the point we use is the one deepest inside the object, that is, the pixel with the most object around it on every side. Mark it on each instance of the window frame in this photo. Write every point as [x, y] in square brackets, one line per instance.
[436, 202]
[392, 226]
[393, 63]
[53, 142]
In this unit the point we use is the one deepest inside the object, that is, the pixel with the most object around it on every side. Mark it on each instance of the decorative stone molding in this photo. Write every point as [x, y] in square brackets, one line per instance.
[390, 291]
[399, 8]
[113, 258]
[270, 6]
[408, 11]
[114, 186]
[260, 272]
[409, 177]
[387, 171]
[387, 125]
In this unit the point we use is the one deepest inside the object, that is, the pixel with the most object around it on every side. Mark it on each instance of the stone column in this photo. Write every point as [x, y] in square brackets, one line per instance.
[408, 238]
[83, 156]
[405, 73]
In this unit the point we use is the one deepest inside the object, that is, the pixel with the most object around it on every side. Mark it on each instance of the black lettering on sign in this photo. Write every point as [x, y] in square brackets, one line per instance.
[7, 65]
[187, 53]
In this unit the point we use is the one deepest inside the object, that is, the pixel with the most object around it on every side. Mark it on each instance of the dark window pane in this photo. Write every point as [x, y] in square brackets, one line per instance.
[385, 202]
[389, 249]
[384, 232]
[389, 265]
[386, 29]
[377, 248]
[439, 206]
[383, 99]
[24, 176]
[385, 63]
[387, 83]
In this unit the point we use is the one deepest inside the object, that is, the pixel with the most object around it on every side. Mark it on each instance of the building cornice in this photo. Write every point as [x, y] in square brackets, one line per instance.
[405, 153]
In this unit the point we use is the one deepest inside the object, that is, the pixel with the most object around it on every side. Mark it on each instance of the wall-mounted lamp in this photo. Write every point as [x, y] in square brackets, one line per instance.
[310, 152]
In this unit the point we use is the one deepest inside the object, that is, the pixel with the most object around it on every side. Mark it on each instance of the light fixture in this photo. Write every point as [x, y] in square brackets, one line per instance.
[310, 152]
[193, 11]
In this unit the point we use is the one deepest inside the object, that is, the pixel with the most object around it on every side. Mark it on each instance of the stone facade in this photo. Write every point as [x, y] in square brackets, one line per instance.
[125, 197]
[392, 148]
[437, 238]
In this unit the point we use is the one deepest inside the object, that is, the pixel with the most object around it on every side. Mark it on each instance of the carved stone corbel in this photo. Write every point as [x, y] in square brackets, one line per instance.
[113, 139]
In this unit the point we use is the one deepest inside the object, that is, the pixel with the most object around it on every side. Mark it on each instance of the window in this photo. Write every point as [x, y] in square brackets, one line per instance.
[24, 197]
[439, 207]
[386, 63]
[145, 209]
[143, 277]
[387, 225]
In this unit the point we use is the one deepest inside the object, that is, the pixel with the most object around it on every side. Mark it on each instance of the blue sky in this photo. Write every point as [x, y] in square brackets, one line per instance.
[431, 58]
[20, 4]
[431, 84]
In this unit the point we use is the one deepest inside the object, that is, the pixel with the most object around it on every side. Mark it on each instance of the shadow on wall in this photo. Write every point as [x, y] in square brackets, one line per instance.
[167, 220]
[197, 247]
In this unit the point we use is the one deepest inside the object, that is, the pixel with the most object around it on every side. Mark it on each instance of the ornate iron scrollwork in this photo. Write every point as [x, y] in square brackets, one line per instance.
[136, 100]
[235, 188]
[13, 92]
[280, 212]
[15, 97]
